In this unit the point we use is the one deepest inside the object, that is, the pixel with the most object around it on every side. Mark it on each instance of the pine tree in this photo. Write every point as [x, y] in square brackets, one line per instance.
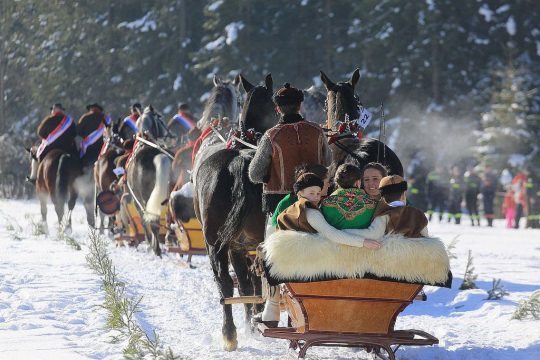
[507, 138]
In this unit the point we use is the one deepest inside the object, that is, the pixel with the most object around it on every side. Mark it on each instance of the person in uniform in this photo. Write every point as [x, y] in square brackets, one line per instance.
[435, 192]
[292, 142]
[57, 131]
[455, 195]
[488, 189]
[472, 188]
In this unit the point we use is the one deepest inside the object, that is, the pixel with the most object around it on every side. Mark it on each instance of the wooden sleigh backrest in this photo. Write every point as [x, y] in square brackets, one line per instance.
[349, 306]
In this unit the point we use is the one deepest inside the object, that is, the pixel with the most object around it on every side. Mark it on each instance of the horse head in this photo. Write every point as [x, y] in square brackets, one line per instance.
[259, 111]
[342, 103]
[32, 152]
[224, 101]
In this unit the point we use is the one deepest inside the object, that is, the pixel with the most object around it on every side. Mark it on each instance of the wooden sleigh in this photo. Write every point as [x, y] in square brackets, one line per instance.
[190, 239]
[133, 233]
[350, 313]
[189, 235]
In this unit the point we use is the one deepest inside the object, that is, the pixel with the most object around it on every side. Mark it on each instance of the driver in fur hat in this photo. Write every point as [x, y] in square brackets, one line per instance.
[292, 142]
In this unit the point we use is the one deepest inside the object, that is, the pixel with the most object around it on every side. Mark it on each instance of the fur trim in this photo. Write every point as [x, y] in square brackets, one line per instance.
[309, 257]
[394, 188]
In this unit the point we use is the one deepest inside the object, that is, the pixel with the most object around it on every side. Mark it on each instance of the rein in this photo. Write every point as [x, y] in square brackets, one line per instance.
[218, 134]
[149, 143]
[236, 138]
[382, 131]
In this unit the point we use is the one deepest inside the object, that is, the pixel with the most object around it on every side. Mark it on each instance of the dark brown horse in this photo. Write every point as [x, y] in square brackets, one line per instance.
[55, 178]
[342, 102]
[104, 175]
[229, 207]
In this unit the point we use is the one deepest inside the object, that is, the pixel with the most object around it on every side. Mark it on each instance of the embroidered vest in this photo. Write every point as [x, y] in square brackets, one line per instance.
[293, 145]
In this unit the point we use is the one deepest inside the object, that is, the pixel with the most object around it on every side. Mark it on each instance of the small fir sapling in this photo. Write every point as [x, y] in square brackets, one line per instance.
[451, 247]
[469, 277]
[497, 292]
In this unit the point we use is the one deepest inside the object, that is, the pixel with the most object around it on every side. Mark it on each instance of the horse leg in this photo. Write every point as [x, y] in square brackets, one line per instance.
[148, 235]
[43, 204]
[71, 204]
[220, 267]
[59, 208]
[243, 276]
[101, 222]
[155, 240]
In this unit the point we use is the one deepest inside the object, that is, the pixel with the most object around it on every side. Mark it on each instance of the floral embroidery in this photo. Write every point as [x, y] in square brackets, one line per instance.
[350, 202]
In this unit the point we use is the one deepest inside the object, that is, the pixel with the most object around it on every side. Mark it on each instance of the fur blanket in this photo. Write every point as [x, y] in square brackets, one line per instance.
[292, 256]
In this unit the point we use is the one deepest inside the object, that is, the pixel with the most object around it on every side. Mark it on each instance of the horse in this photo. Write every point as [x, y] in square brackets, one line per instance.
[104, 175]
[229, 207]
[342, 101]
[224, 102]
[148, 176]
[313, 105]
[56, 176]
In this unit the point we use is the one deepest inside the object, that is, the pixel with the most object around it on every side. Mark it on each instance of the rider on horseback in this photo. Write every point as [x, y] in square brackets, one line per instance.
[292, 142]
[91, 128]
[131, 120]
[181, 123]
[57, 131]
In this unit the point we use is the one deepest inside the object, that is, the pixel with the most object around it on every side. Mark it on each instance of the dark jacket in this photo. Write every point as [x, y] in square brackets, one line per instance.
[65, 142]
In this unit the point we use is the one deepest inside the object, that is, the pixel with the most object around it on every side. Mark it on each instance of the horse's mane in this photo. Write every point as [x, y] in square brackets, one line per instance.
[222, 101]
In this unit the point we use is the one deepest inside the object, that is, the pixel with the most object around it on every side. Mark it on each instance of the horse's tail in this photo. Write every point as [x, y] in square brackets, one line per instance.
[161, 188]
[241, 201]
[62, 177]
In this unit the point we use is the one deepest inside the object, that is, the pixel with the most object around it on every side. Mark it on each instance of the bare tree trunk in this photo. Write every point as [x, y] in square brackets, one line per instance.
[436, 70]
[328, 38]
[3, 65]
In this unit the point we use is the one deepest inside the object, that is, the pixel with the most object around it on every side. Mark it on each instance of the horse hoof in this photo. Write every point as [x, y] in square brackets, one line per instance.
[230, 345]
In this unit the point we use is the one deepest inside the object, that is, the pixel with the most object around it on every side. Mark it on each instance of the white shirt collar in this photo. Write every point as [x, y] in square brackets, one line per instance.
[397, 203]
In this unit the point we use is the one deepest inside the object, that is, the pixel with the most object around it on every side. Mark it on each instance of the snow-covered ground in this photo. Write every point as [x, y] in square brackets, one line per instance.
[49, 300]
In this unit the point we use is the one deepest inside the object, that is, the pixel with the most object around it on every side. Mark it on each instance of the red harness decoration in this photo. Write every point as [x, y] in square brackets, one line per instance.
[346, 127]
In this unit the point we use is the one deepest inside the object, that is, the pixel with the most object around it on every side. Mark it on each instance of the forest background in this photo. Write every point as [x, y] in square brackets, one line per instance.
[459, 79]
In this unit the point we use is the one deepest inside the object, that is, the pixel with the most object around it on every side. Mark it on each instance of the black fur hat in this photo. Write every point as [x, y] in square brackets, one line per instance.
[392, 184]
[307, 180]
[288, 95]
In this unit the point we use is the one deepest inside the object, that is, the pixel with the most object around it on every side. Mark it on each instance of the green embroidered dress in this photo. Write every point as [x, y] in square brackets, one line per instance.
[349, 209]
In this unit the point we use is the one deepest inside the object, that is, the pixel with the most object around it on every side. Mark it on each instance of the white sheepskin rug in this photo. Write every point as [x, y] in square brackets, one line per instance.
[308, 257]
